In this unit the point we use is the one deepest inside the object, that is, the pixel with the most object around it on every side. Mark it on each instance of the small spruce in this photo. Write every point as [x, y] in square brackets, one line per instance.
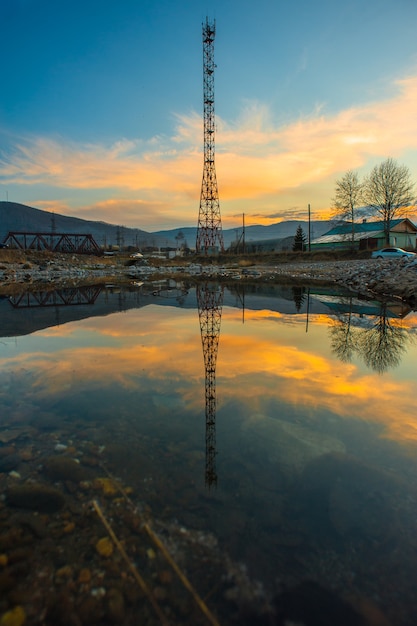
[299, 240]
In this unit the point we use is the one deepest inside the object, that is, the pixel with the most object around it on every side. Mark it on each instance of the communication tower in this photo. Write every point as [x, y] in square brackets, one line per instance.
[210, 304]
[209, 229]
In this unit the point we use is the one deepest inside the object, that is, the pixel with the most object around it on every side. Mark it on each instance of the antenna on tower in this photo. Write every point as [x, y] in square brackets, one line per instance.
[209, 229]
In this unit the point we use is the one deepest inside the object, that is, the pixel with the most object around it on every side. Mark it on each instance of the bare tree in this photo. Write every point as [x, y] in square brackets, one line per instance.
[347, 197]
[388, 191]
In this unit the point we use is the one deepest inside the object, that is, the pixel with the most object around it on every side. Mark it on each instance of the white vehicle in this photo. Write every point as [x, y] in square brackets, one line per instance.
[392, 253]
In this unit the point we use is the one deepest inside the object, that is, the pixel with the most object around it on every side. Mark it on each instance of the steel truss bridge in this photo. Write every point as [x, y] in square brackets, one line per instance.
[76, 243]
[65, 296]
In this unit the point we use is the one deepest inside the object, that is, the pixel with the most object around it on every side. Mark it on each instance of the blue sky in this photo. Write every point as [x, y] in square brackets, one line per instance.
[101, 104]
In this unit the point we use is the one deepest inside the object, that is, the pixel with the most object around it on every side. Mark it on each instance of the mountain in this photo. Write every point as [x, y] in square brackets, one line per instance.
[280, 230]
[19, 217]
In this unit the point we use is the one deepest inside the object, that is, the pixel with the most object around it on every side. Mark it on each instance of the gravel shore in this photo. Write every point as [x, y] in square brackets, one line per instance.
[367, 277]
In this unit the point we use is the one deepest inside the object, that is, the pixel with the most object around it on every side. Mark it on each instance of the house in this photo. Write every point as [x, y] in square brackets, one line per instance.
[368, 236]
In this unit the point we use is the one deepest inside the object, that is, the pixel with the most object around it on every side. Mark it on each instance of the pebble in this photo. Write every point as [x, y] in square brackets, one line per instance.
[84, 576]
[104, 547]
[115, 605]
[63, 573]
[106, 485]
[69, 527]
[14, 617]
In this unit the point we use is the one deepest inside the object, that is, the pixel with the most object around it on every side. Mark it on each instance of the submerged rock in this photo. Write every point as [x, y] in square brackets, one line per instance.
[64, 468]
[9, 462]
[350, 497]
[290, 445]
[312, 605]
[14, 617]
[36, 497]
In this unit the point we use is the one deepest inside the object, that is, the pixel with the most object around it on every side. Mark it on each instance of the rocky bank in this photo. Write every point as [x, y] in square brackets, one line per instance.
[375, 278]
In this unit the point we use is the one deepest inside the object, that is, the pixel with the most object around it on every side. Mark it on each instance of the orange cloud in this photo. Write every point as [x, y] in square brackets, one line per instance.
[261, 165]
[147, 350]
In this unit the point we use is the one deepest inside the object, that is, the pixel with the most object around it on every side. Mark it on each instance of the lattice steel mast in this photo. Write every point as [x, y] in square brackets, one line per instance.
[209, 229]
[210, 303]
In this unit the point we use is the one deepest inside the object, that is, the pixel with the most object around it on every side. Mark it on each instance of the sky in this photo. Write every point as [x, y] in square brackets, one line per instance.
[101, 105]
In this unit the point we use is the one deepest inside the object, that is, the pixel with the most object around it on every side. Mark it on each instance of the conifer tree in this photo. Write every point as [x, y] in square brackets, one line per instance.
[299, 240]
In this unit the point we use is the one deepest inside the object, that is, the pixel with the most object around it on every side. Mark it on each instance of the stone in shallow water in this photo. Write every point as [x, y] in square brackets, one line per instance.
[313, 605]
[9, 435]
[9, 462]
[36, 497]
[346, 495]
[290, 445]
[14, 617]
[104, 547]
[64, 468]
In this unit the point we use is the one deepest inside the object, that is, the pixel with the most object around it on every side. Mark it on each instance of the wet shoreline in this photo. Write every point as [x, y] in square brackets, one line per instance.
[367, 277]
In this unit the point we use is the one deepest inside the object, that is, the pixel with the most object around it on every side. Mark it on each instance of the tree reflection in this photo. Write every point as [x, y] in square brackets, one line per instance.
[379, 340]
[299, 296]
[383, 345]
[342, 335]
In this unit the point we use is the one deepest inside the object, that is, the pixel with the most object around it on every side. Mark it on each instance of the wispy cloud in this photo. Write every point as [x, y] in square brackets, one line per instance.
[144, 214]
[278, 371]
[262, 167]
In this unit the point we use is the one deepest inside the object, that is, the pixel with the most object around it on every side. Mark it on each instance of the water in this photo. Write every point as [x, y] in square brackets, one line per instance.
[267, 433]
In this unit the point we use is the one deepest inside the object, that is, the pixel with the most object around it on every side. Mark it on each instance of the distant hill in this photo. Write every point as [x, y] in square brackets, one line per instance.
[280, 230]
[19, 217]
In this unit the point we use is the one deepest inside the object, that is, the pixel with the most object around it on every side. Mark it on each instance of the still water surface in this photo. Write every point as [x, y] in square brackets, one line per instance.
[278, 421]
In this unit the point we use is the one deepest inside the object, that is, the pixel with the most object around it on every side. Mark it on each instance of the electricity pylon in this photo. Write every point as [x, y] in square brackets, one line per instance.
[210, 303]
[209, 229]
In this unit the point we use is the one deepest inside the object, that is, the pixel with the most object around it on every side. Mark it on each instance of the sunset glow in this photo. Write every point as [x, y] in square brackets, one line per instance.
[275, 151]
[168, 354]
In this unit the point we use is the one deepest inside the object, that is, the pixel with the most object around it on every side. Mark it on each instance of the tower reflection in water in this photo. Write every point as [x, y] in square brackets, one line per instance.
[210, 302]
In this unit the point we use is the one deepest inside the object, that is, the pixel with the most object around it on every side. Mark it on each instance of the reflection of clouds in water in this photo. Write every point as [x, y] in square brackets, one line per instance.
[165, 402]
[158, 350]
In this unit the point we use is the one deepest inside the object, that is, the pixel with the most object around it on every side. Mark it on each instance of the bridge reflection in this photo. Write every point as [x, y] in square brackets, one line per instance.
[66, 296]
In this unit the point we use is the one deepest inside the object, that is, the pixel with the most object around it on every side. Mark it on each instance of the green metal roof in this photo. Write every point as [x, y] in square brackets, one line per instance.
[361, 227]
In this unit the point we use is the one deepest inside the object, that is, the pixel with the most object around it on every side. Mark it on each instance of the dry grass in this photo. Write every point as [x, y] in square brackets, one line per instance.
[40, 257]
[265, 258]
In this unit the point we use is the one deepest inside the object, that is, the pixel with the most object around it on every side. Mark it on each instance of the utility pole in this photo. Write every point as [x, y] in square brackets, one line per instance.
[309, 229]
[53, 230]
[209, 230]
[243, 234]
